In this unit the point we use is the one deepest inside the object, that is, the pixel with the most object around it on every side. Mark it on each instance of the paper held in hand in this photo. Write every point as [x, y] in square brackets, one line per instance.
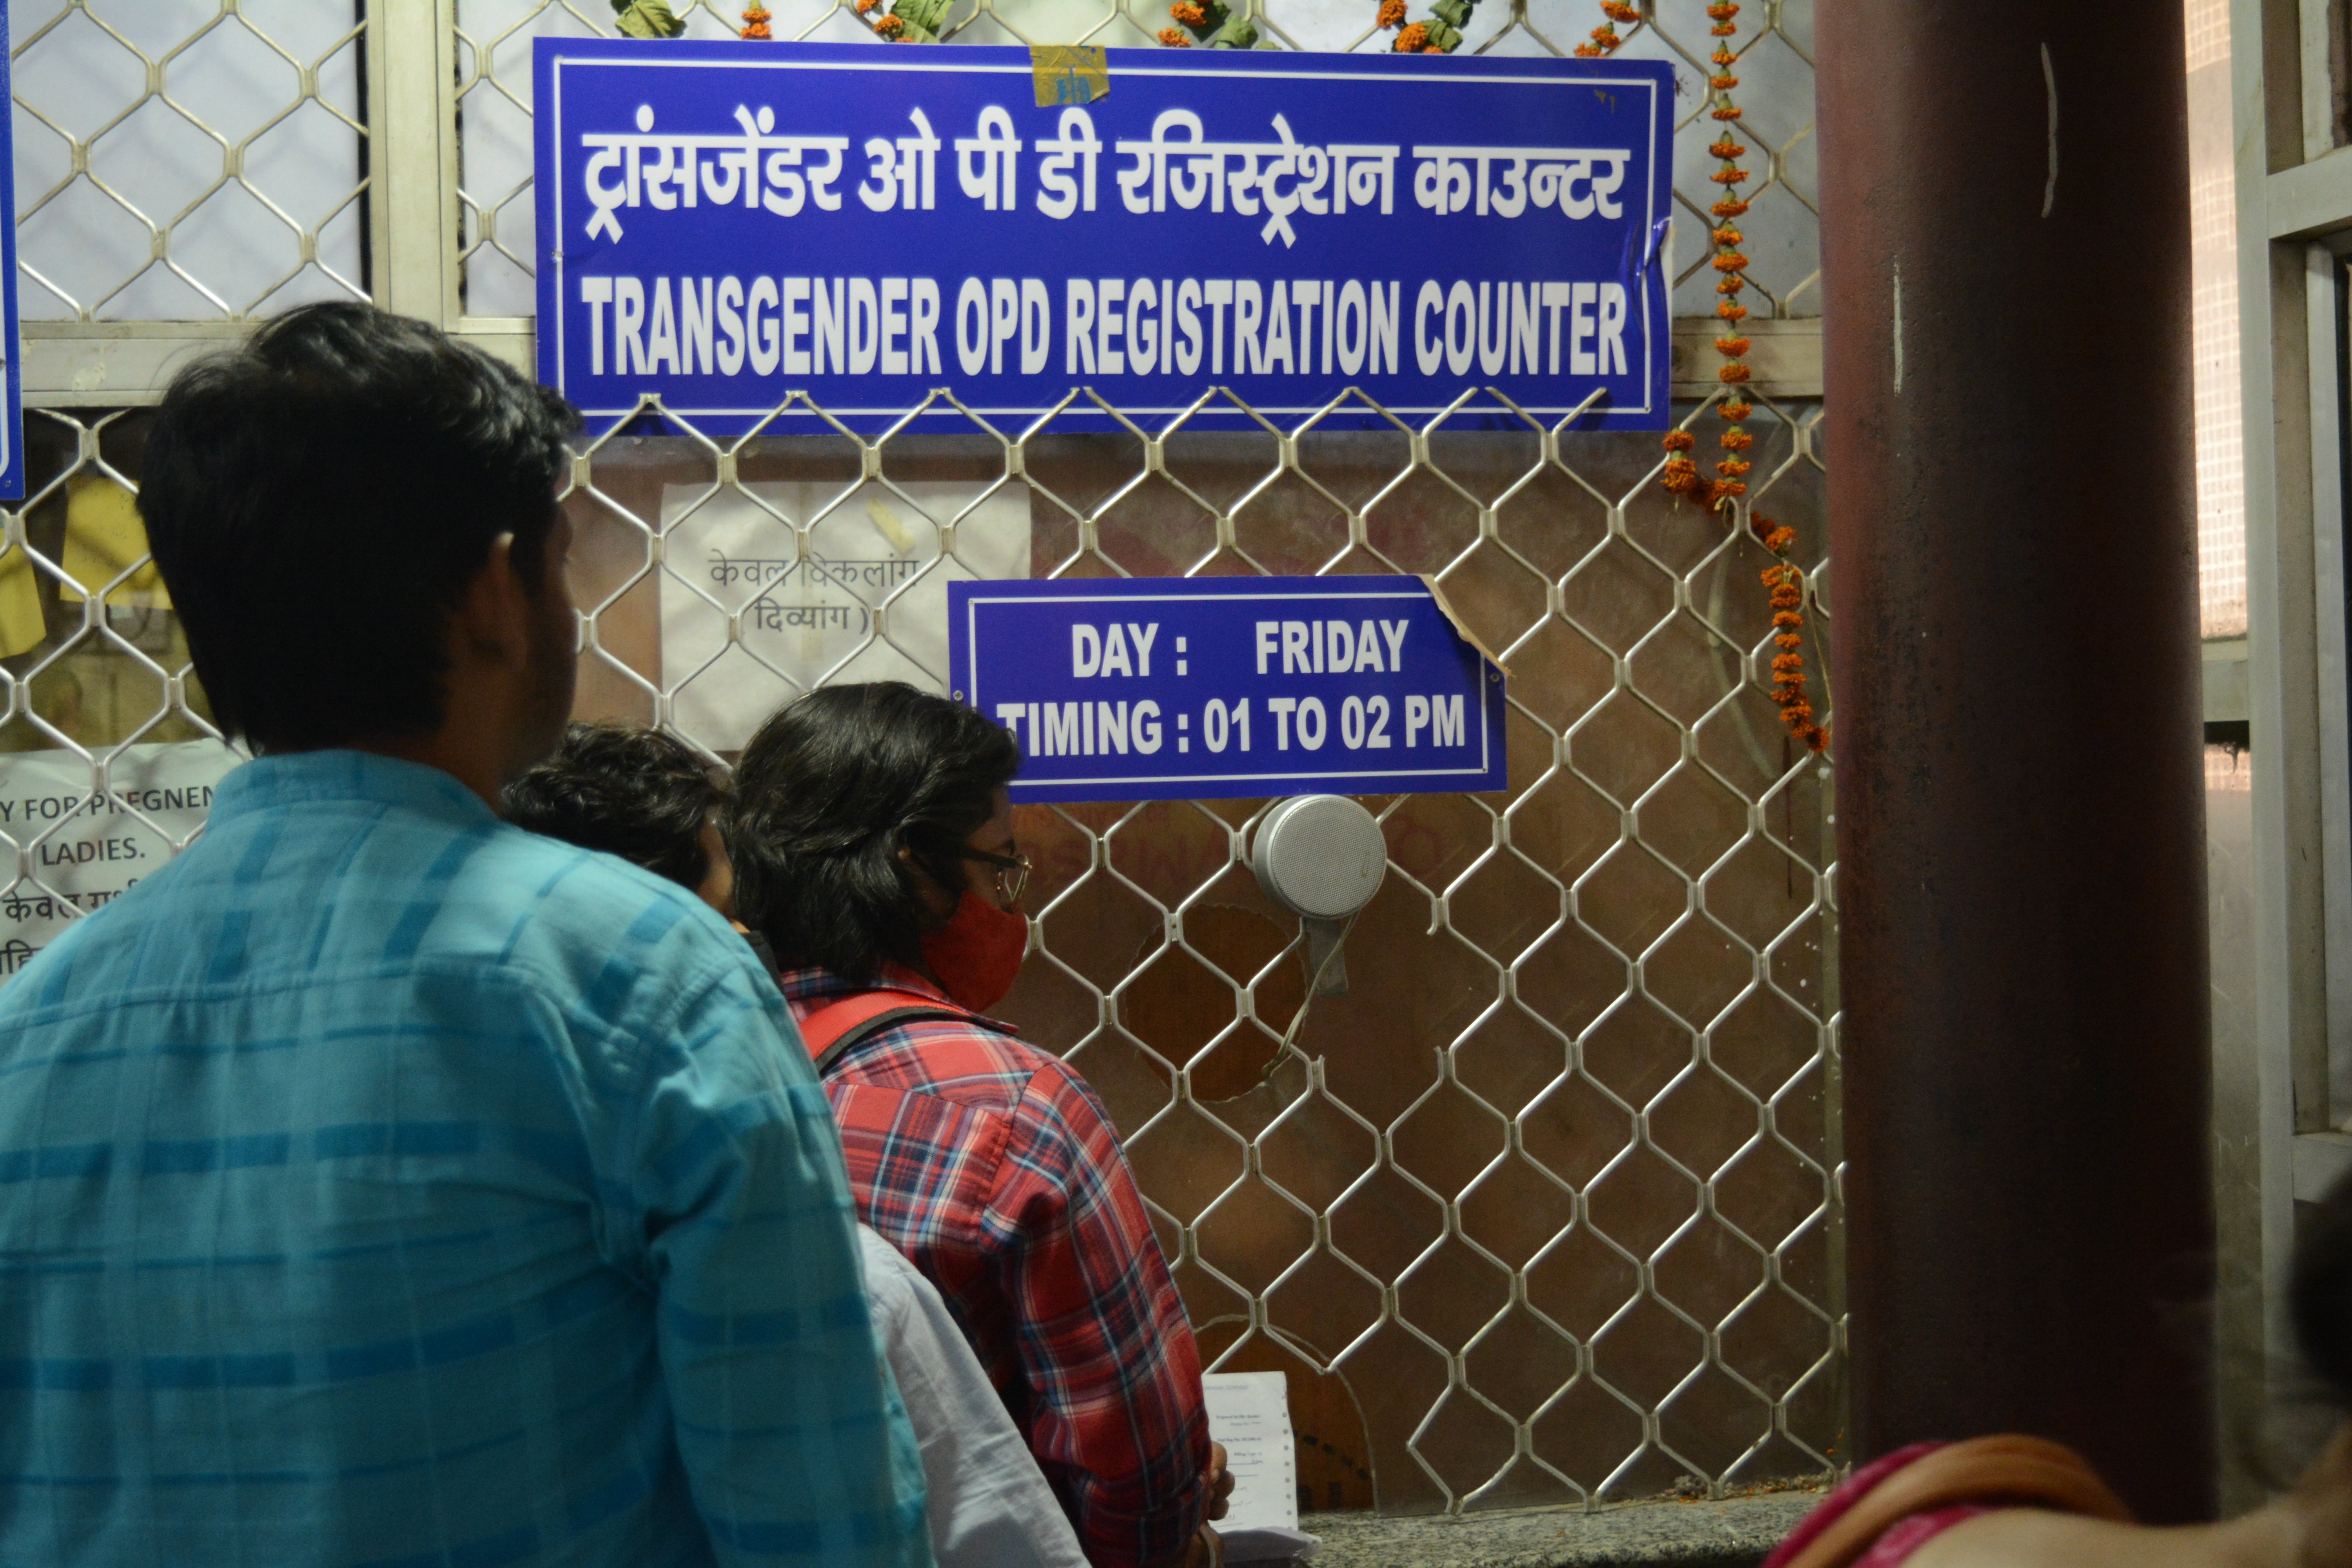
[1249, 1413]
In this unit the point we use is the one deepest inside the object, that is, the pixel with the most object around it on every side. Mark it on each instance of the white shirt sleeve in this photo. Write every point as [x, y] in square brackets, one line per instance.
[990, 1505]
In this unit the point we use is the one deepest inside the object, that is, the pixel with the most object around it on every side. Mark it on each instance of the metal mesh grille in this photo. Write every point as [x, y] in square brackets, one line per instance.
[187, 159]
[1541, 1210]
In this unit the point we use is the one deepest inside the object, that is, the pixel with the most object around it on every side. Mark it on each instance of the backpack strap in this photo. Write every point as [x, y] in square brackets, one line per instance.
[833, 1031]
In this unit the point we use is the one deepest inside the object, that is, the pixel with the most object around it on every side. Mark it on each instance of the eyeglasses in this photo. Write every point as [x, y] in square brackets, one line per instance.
[1012, 872]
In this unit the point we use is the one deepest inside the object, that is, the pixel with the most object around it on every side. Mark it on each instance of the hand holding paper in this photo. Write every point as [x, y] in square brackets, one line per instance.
[1249, 1417]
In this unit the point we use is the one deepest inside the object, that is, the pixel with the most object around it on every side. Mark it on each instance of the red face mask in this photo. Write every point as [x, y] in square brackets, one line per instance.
[977, 954]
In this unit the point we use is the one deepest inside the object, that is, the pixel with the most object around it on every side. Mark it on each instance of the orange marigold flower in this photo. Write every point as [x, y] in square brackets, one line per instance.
[1729, 236]
[1775, 574]
[1730, 206]
[1189, 13]
[1587, 52]
[1724, 11]
[1724, 56]
[1780, 539]
[1732, 375]
[1728, 487]
[890, 27]
[1737, 441]
[1730, 176]
[1785, 598]
[1723, 83]
[1731, 312]
[1723, 30]
[1735, 409]
[1617, 11]
[1729, 112]
[1788, 618]
[1681, 474]
[1175, 38]
[1731, 347]
[1433, 48]
[1788, 639]
[1606, 36]
[1734, 466]
[1409, 42]
[1814, 736]
[1788, 661]
[1678, 441]
[1727, 149]
[1392, 13]
[1730, 261]
[1731, 285]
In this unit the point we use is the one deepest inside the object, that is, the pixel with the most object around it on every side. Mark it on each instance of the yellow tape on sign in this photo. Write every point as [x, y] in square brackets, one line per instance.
[1069, 73]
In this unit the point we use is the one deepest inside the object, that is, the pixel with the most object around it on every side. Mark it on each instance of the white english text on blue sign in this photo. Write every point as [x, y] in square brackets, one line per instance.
[723, 225]
[1174, 688]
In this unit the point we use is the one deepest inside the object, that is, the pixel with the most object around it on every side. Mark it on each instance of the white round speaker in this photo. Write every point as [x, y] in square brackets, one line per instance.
[1320, 857]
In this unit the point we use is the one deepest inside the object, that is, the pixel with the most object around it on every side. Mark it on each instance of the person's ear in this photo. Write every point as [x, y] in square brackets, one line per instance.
[493, 619]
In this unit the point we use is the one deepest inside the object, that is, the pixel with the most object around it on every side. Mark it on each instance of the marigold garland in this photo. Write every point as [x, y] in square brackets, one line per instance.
[1210, 23]
[1439, 33]
[755, 22]
[1681, 474]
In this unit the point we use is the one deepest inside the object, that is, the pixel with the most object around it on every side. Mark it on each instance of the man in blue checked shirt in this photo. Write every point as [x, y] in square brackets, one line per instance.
[381, 1184]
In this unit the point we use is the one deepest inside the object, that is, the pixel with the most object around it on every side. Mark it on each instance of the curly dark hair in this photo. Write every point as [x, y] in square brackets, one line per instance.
[640, 793]
[342, 456]
[826, 795]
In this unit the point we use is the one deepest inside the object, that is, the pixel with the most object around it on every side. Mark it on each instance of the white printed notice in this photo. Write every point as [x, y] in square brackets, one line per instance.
[64, 851]
[867, 601]
[1249, 1413]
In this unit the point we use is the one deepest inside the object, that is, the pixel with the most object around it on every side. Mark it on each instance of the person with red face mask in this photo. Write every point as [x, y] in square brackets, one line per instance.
[873, 847]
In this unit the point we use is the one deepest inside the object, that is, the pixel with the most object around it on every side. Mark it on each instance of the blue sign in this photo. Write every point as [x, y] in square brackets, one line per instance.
[12, 418]
[727, 224]
[1210, 688]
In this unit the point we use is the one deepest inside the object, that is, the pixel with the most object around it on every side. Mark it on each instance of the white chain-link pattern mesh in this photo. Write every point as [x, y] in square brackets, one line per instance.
[188, 159]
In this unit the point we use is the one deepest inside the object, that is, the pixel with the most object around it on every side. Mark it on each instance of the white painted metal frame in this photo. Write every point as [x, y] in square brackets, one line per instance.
[2279, 1114]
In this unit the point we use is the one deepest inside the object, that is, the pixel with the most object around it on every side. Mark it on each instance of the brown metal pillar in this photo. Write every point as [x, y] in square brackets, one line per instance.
[2005, 250]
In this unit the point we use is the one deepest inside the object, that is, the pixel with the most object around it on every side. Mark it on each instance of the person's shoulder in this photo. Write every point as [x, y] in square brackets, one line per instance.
[968, 1063]
[1048, 1101]
[590, 924]
[892, 1283]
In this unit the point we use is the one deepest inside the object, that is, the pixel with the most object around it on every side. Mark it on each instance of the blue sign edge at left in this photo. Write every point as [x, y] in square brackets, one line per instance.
[12, 471]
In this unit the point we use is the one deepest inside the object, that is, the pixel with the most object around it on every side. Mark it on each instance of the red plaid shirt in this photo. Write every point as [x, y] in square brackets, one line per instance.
[994, 1166]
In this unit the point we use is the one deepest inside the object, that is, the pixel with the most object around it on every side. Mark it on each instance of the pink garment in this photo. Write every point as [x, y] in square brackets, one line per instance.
[1901, 1540]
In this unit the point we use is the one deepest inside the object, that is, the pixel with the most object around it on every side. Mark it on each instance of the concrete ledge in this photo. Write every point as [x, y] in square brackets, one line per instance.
[1731, 1535]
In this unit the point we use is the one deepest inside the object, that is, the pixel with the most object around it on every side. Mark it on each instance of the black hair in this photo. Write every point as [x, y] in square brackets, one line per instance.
[829, 791]
[2320, 1296]
[640, 793]
[317, 500]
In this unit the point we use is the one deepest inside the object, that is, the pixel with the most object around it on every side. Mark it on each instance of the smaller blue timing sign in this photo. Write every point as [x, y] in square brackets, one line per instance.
[1205, 689]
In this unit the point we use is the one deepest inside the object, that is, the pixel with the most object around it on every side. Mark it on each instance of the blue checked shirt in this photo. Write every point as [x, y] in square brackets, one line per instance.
[383, 1185]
